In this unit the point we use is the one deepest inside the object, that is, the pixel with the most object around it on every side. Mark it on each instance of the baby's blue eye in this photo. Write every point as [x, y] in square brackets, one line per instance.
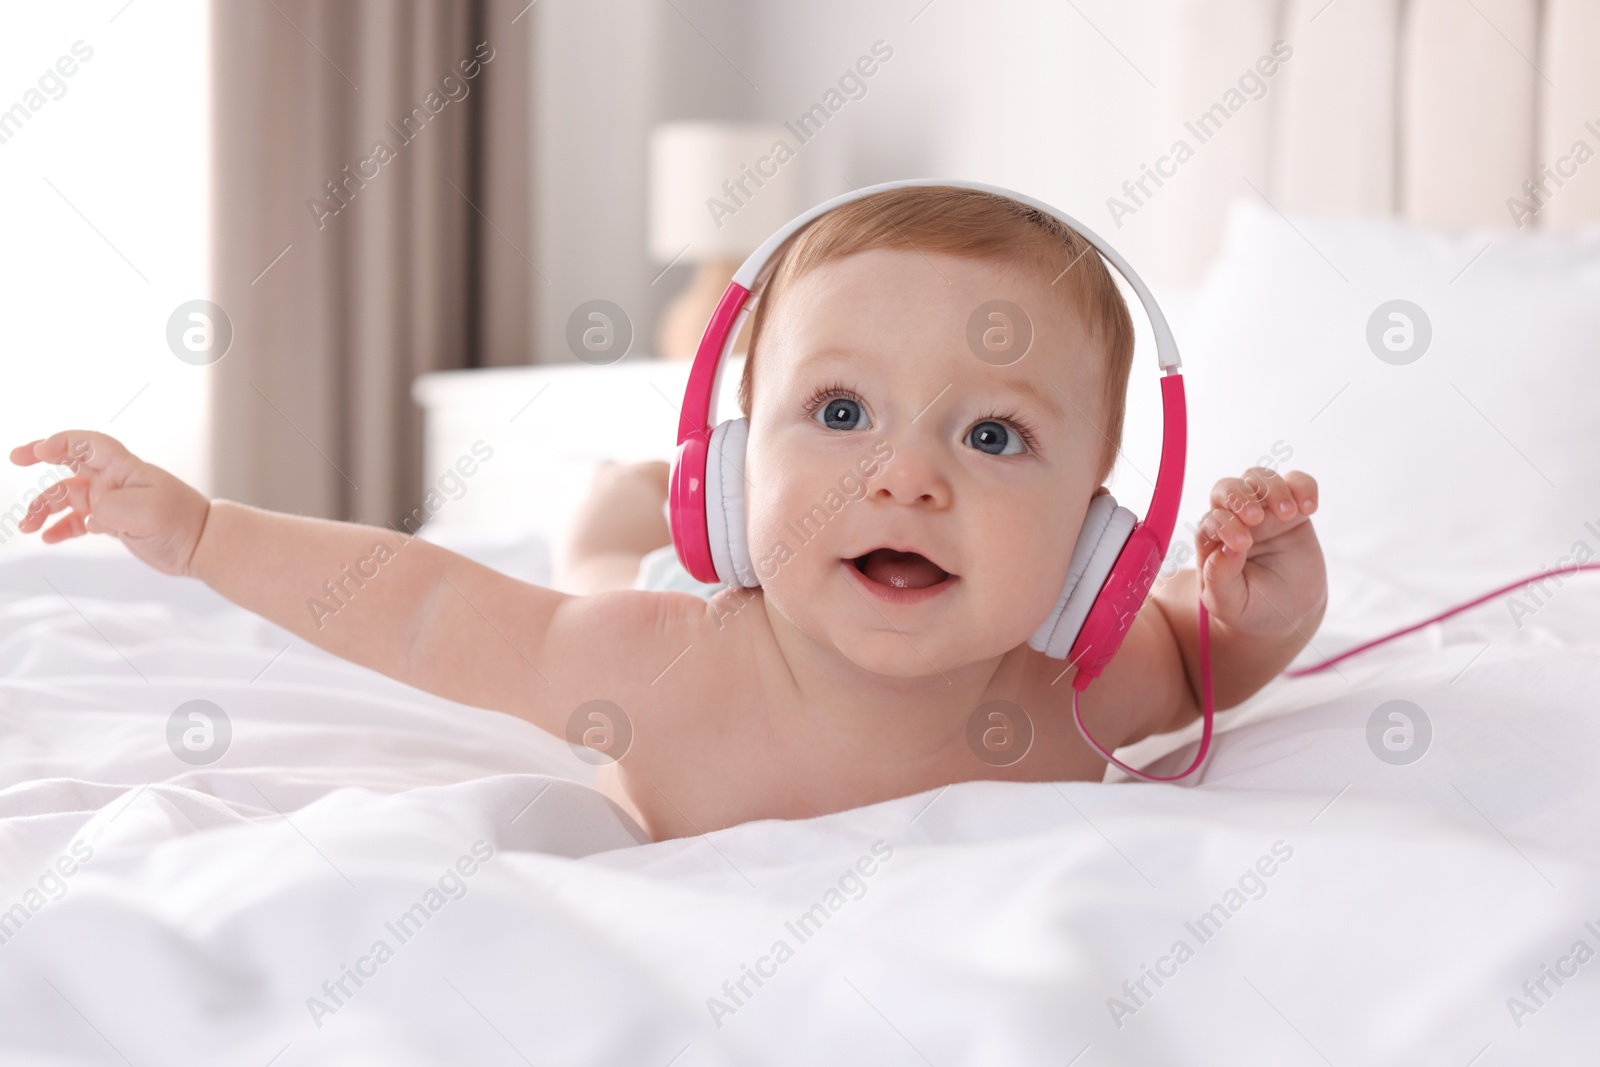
[841, 413]
[995, 439]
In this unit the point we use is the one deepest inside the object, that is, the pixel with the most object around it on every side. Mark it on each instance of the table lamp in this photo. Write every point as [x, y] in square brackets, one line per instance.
[717, 190]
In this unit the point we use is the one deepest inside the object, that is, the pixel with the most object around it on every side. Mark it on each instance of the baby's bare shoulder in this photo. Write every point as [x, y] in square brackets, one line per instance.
[703, 711]
[675, 659]
[727, 644]
[692, 697]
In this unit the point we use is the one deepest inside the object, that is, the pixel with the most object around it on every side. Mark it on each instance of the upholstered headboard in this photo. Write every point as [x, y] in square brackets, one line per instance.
[1437, 111]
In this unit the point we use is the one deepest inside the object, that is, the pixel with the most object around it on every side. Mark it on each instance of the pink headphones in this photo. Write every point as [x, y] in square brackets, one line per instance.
[1116, 557]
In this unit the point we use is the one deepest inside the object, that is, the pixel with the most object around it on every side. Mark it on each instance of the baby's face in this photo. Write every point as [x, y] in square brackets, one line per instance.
[910, 505]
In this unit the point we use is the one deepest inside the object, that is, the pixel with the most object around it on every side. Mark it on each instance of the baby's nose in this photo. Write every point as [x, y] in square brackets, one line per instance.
[913, 474]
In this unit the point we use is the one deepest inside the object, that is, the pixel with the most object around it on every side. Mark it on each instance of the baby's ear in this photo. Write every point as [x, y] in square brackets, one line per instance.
[1099, 490]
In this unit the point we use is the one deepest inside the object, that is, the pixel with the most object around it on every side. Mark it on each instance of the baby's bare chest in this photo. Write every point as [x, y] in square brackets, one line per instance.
[742, 753]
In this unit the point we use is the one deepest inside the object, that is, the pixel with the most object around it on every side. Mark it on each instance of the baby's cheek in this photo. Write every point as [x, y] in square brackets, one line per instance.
[785, 554]
[1025, 575]
[764, 542]
[764, 507]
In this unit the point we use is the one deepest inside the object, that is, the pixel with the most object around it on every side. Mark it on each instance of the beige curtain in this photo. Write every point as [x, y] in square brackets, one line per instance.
[370, 223]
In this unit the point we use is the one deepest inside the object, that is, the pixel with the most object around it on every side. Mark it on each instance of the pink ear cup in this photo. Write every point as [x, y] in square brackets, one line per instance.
[1101, 537]
[1112, 614]
[686, 489]
[687, 509]
[1125, 589]
[1118, 596]
[726, 532]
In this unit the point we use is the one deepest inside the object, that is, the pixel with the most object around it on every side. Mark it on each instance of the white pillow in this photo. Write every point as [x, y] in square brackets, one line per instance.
[1467, 467]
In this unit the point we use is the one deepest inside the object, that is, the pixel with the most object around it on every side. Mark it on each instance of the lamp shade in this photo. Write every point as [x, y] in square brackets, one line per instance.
[718, 188]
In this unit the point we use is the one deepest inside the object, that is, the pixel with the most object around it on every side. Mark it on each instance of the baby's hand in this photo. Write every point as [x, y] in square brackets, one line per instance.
[1260, 565]
[113, 491]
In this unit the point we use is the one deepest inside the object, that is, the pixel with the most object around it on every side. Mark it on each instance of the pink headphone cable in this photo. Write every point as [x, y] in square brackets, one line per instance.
[1205, 707]
[1325, 664]
[1208, 710]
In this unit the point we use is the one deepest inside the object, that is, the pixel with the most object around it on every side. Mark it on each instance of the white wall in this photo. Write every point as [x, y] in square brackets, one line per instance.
[606, 71]
[1026, 94]
[1063, 102]
[105, 235]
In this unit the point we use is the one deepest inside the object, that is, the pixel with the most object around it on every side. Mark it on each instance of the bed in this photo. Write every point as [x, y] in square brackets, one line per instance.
[212, 911]
[329, 867]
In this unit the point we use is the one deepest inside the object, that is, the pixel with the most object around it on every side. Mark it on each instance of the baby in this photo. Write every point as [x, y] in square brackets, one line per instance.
[854, 673]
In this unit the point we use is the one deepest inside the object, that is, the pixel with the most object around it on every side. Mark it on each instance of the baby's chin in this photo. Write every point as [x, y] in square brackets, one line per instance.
[889, 655]
[870, 642]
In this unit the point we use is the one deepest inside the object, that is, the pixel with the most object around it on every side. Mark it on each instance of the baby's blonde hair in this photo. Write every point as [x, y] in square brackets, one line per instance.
[976, 225]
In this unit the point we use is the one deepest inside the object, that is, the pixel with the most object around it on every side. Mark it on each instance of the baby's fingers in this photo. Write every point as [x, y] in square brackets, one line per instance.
[78, 449]
[1221, 528]
[1271, 491]
[68, 526]
[1266, 500]
[67, 493]
[1304, 489]
[1236, 496]
[1223, 544]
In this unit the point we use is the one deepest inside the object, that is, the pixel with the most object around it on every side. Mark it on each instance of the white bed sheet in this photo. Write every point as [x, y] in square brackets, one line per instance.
[218, 900]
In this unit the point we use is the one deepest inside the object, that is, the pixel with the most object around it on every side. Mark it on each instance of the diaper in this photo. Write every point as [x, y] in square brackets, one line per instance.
[660, 570]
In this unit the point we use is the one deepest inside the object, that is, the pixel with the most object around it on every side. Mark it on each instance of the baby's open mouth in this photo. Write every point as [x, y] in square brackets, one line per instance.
[900, 570]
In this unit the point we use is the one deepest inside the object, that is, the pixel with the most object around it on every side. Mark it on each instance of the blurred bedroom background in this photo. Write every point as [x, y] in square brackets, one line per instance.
[418, 226]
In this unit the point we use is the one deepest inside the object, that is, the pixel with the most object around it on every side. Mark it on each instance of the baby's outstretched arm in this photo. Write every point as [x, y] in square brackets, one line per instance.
[397, 604]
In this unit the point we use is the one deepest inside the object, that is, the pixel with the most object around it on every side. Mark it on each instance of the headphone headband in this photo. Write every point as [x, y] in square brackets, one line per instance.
[751, 271]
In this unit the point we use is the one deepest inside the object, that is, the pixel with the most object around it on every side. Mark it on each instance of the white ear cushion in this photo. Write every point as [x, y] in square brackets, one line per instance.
[1106, 529]
[725, 529]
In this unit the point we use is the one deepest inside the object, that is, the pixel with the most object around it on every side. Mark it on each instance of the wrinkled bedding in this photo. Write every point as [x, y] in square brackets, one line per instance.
[371, 875]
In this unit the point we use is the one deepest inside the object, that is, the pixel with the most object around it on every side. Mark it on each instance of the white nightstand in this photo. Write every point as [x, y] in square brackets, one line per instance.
[549, 427]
